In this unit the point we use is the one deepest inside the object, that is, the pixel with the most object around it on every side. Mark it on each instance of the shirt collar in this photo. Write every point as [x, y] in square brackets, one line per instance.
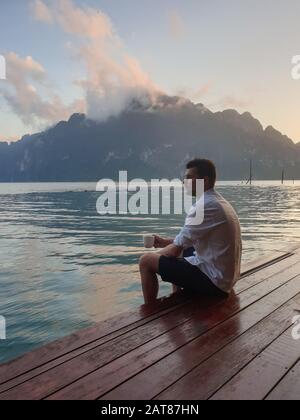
[211, 190]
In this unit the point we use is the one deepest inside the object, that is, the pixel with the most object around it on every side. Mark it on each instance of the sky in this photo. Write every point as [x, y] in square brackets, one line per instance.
[93, 56]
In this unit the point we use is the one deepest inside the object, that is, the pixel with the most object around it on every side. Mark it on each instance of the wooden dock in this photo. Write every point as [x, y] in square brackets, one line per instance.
[184, 348]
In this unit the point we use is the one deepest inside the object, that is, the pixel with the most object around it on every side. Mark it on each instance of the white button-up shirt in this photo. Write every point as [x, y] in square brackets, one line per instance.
[217, 242]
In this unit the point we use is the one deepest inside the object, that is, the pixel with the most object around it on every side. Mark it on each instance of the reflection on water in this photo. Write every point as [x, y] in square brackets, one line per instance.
[64, 267]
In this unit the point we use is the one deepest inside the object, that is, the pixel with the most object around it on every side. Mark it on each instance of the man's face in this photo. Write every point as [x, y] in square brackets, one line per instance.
[191, 177]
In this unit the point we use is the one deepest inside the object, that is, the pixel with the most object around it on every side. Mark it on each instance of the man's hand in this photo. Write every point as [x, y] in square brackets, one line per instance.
[161, 242]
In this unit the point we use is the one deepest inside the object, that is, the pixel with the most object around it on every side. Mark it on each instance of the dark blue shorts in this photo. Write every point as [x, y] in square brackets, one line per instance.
[188, 277]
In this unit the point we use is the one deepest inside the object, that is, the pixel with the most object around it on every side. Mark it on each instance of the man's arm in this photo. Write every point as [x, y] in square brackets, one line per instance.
[162, 242]
[171, 251]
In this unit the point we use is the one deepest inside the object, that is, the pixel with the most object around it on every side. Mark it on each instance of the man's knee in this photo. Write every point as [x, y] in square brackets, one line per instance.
[145, 261]
[149, 262]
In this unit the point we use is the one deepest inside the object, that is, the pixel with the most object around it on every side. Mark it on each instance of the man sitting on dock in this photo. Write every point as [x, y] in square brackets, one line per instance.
[211, 250]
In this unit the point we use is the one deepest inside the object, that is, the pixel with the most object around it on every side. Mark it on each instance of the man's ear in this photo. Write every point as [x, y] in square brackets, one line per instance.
[206, 182]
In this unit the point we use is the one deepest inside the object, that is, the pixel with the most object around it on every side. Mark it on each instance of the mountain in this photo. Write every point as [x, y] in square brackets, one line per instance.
[150, 142]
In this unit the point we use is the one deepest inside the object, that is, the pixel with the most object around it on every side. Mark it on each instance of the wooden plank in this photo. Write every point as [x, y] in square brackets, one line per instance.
[154, 379]
[265, 261]
[107, 329]
[271, 365]
[293, 248]
[289, 388]
[290, 248]
[21, 370]
[271, 258]
[69, 372]
[213, 373]
[102, 380]
[112, 349]
[268, 271]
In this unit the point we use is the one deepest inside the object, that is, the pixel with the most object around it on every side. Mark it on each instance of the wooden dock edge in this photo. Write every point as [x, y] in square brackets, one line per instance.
[269, 259]
[120, 324]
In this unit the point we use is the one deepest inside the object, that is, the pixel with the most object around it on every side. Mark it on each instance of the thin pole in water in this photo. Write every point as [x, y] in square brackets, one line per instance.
[251, 174]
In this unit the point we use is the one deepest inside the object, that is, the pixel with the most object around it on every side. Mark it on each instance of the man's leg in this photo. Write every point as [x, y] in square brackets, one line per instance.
[149, 267]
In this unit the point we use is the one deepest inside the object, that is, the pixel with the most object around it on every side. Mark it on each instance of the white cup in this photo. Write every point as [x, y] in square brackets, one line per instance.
[149, 241]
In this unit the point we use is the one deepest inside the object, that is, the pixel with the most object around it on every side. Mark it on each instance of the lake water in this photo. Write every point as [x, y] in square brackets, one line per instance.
[64, 267]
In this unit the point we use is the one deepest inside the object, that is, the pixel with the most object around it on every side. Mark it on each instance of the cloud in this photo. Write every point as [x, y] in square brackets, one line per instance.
[41, 11]
[8, 139]
[195, 95]
[203, 90]
[85, 21]
[113, 77]
[25, 79]
[176, 25]
[111, 85]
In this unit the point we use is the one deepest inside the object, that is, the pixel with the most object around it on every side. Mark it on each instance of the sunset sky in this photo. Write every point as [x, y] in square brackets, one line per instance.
[92, 55]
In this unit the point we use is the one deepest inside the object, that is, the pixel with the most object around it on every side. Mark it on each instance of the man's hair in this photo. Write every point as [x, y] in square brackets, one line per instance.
[204, 168]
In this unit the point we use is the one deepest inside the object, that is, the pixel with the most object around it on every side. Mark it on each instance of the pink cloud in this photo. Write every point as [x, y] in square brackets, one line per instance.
[41, 11]
[26, 78]
[113, 77]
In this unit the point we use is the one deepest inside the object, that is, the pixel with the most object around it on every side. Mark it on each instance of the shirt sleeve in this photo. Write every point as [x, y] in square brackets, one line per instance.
[191, 234]
[184, 239]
